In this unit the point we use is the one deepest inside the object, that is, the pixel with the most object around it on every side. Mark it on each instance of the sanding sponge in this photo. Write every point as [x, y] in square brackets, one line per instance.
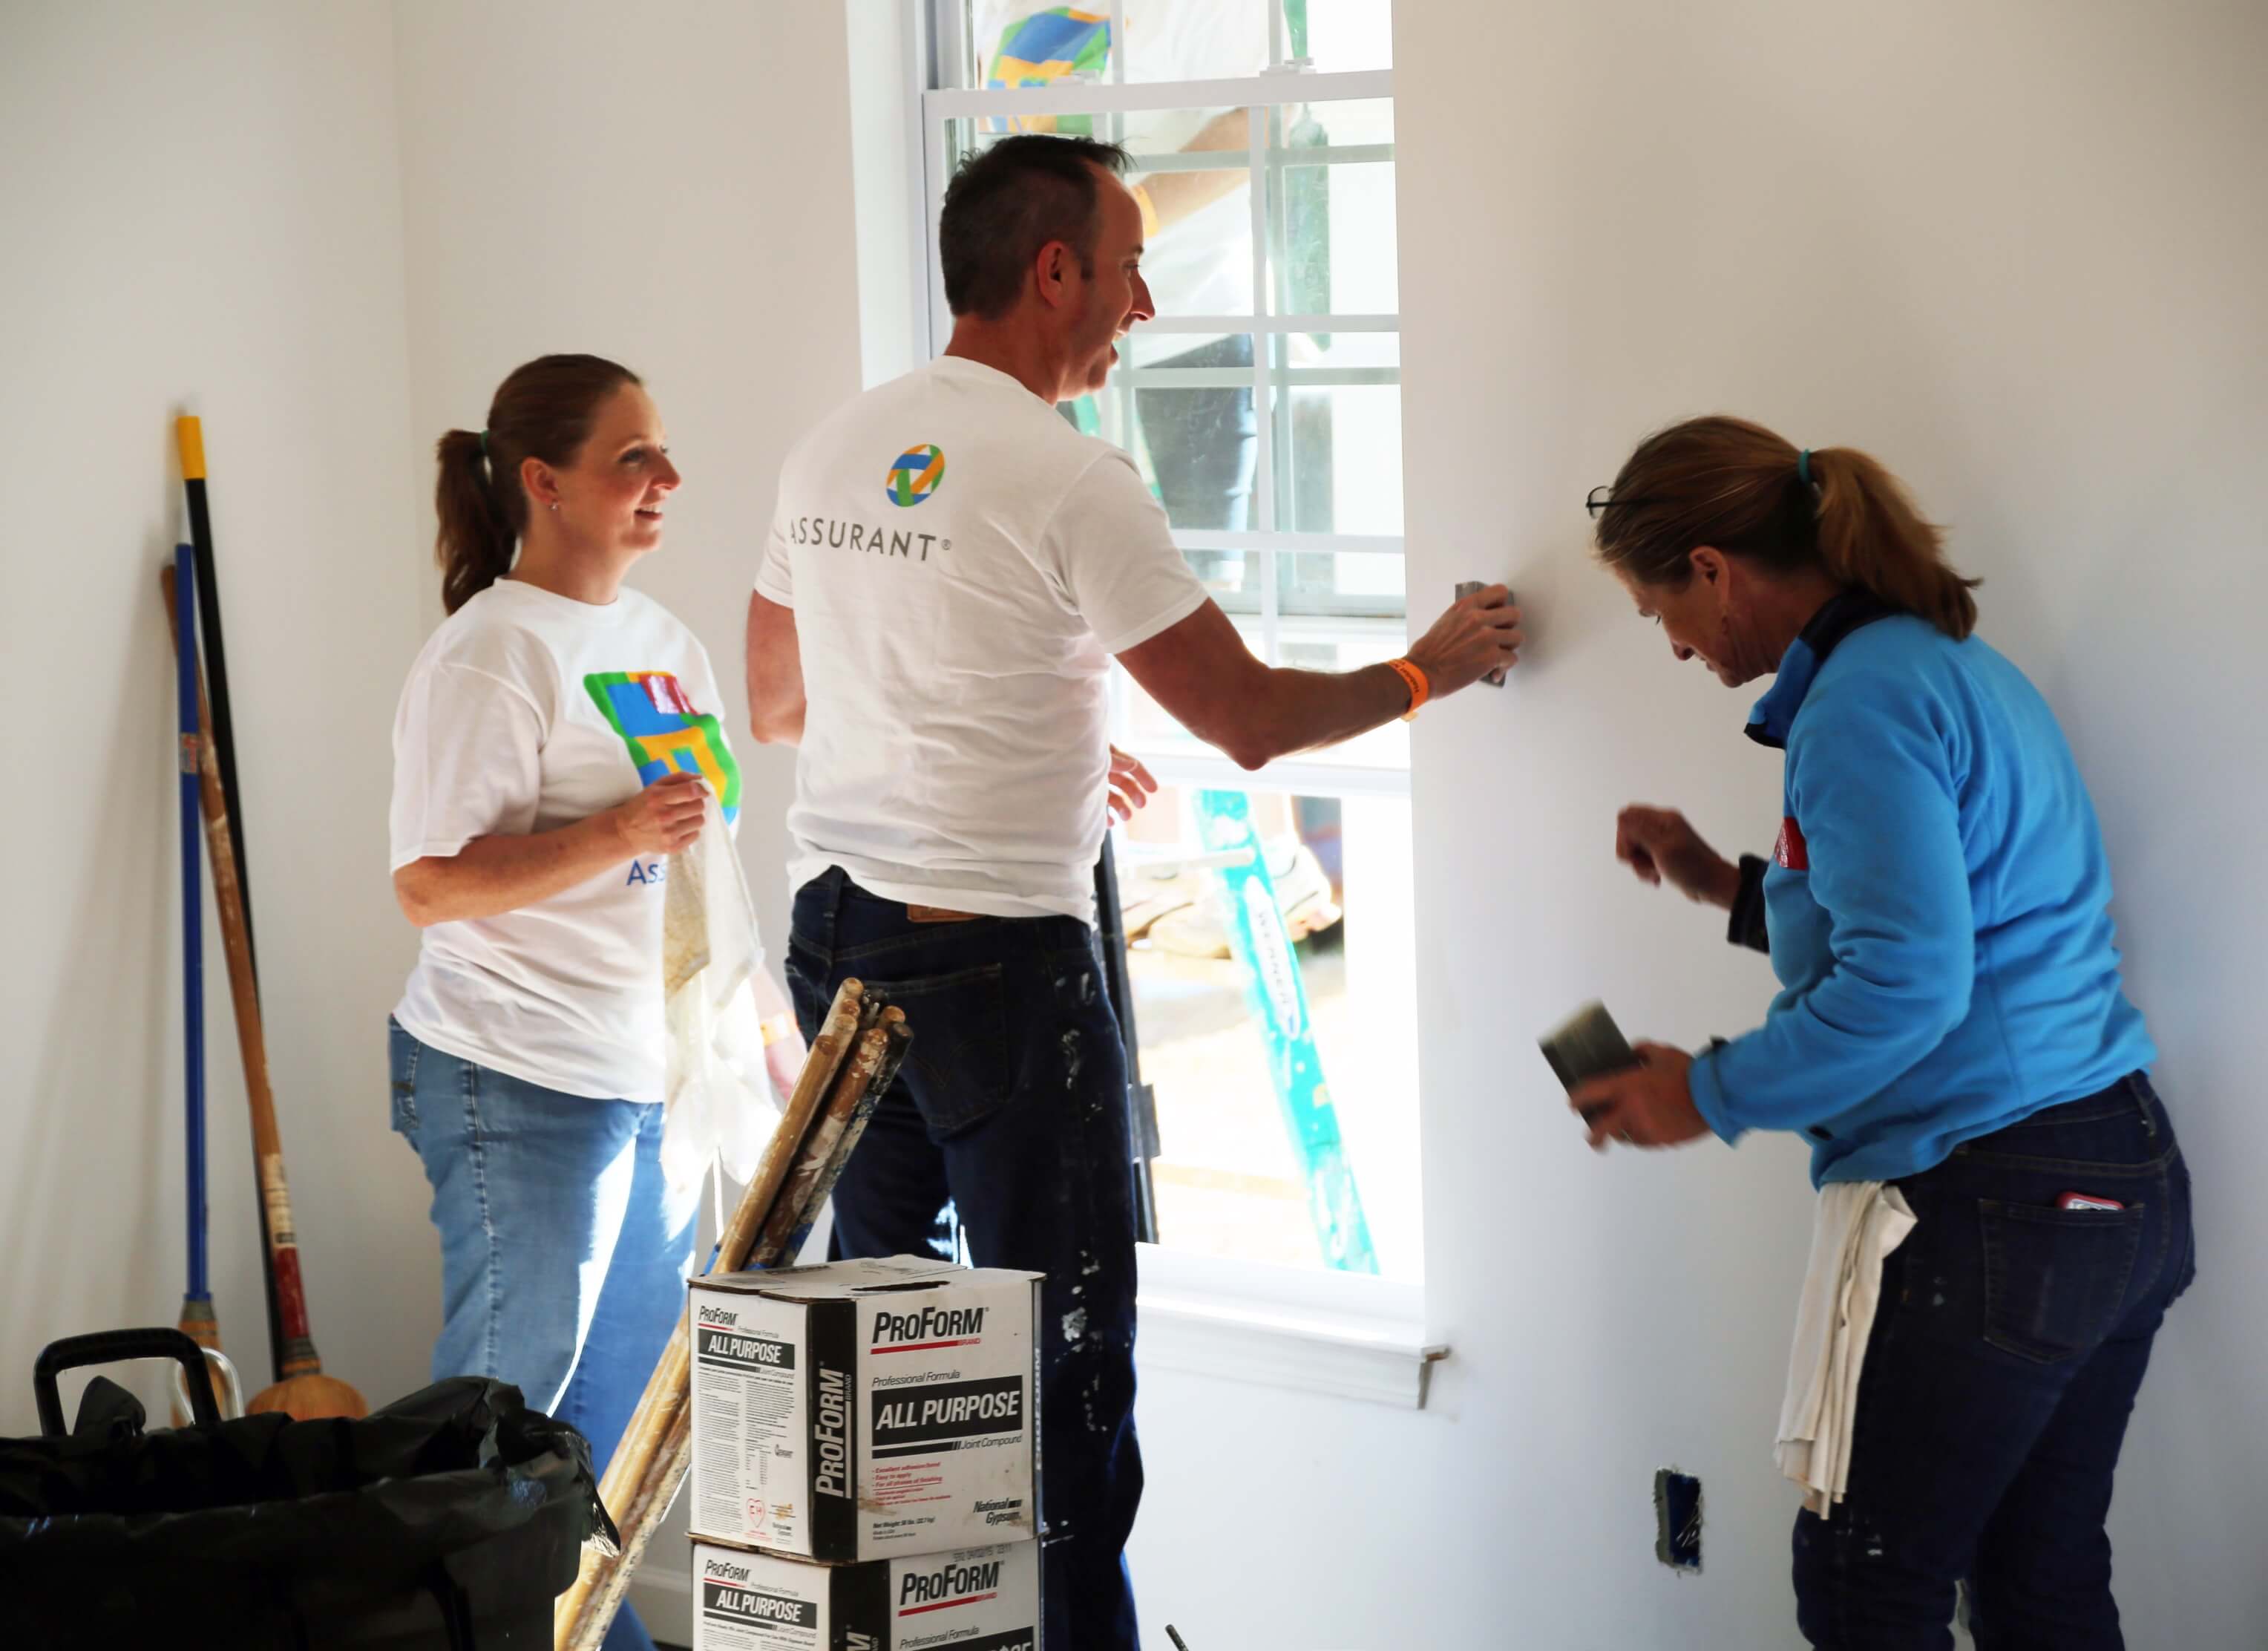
[1465, 587]
[1585, 1045]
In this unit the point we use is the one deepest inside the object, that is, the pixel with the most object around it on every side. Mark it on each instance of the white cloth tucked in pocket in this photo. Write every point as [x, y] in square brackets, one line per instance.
[1856, 1227]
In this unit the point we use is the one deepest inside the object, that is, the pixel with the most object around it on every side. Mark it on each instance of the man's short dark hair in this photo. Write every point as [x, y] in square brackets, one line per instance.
[1006, 203]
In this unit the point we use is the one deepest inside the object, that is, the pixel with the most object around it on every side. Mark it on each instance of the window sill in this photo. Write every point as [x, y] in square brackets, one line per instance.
[1352, 1337]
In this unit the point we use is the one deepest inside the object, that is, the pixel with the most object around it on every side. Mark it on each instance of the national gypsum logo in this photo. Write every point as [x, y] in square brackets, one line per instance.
[664, 733]
[914, 475]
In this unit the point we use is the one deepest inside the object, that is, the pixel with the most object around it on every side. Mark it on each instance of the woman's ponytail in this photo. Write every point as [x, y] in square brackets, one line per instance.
[1735, 485]
[475, 544]
[1871, 535]
[544, 410]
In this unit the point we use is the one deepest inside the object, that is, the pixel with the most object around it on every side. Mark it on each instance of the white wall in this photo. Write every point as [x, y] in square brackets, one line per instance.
[202, 214]
[671, 189]
[2016, 251]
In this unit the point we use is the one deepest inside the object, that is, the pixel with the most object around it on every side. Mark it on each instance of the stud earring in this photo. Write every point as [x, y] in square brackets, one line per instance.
[554, 507]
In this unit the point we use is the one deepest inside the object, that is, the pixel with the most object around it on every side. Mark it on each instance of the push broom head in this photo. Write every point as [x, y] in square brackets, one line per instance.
[307, 1399]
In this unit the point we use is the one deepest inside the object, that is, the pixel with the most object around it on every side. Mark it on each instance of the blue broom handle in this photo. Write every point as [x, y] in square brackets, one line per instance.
[193, 991]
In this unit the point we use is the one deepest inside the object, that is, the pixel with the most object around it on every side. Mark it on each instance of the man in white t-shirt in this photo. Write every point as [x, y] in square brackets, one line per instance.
[952, 569]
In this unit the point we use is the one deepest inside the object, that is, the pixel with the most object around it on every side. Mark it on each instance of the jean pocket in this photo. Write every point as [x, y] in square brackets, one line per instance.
[2055, 1280]
[958, 1068]
[402, 1051]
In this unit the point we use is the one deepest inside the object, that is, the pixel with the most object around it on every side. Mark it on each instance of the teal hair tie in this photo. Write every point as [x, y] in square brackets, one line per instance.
[484, 444]
[1802, 465]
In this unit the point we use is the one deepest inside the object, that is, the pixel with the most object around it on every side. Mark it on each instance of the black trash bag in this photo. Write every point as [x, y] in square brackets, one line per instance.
[450, 1519]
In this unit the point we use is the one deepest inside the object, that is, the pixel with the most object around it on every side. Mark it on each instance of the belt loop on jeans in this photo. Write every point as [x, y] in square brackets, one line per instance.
[838, 886]
[2140, 1090]
[825, 893]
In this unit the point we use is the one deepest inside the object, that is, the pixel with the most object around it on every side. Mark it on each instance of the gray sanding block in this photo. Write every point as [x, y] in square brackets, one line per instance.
[1465, 587]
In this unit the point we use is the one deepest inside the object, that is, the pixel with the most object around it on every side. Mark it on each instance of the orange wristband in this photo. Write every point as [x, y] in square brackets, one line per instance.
[1420, 689]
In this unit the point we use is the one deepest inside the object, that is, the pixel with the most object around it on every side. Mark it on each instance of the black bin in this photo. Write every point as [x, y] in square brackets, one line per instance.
[450, 1519]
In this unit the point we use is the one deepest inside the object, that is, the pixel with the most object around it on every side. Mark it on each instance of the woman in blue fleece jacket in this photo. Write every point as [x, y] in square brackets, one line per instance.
[1951, 1021]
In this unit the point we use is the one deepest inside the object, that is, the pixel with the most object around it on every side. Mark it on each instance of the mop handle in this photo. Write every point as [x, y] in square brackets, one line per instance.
[193, 994]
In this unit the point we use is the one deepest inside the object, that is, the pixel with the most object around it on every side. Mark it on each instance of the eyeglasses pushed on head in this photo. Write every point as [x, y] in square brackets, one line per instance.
[1597, 501]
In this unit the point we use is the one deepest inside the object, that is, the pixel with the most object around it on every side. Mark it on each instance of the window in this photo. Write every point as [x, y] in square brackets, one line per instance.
[1272, 955]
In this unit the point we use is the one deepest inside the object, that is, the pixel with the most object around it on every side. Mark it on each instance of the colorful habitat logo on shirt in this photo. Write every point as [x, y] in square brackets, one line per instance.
[665, 734]
[1042, 48]
[913, 475]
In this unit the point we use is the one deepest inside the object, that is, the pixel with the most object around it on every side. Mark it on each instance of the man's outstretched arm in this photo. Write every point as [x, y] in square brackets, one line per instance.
[1200, 670]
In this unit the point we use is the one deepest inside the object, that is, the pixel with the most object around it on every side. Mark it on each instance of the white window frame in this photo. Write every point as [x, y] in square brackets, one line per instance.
[1357, 1336]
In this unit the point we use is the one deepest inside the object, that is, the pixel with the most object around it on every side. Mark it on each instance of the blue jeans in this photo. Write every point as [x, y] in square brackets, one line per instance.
[564, 1254]
[2004, 1358]
[1006, 1131]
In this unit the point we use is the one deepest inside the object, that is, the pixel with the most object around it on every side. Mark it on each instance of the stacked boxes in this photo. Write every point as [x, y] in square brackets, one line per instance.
[864, 1445]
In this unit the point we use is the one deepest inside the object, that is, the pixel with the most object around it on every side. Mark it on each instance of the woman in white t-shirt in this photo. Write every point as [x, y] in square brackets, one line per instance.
[552, 749]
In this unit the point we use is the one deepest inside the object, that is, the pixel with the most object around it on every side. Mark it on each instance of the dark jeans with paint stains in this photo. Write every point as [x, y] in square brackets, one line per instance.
[2012, 1338]
[1005, 1135]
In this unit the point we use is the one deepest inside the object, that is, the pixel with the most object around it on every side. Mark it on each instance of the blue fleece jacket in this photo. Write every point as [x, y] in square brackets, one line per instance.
[1937, 907]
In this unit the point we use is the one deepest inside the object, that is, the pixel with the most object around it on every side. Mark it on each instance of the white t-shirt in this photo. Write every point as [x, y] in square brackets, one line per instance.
[962, 564]
[529, 711]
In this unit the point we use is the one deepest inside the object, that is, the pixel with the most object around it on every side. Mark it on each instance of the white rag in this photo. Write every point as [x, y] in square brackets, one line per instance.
[716, 1100]
[1857, 1225]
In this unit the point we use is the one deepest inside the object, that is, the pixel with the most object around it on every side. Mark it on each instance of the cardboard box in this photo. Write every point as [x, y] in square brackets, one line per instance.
[977, 1599]
[863, 1410]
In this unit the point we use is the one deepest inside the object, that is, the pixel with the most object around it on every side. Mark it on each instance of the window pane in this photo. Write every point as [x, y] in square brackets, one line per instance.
[1322, 584]
[1027, 42]
[1343, 35]
[1336, 351]
[1338, 583]
[1357, 123]
[1332, 229]
[1363, 278]
[1360, 489]
[1195, 168]
[1336, 446]
[1183, 408]
[1187, 418]
[1234, 1176]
